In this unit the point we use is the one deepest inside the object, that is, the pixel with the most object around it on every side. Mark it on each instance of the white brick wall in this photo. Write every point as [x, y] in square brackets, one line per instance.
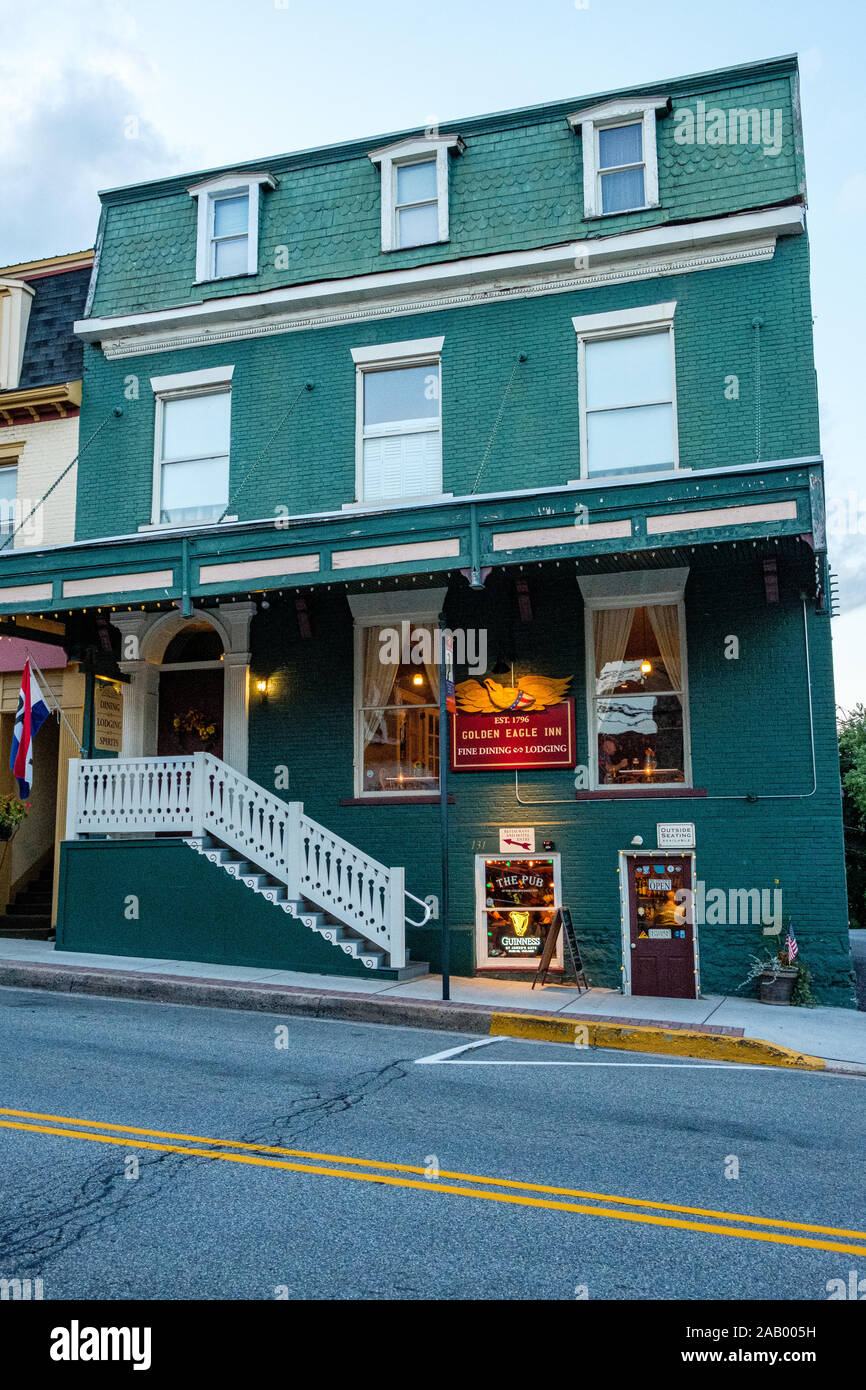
[49, 446]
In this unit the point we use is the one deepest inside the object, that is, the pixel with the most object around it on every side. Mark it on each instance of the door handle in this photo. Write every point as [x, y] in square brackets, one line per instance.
[634, 945]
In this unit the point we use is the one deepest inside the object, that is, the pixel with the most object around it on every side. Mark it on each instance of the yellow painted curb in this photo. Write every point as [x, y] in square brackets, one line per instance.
[667, 1042]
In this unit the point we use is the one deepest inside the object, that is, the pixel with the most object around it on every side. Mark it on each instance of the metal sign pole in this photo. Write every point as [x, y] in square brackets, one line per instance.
[446, 678]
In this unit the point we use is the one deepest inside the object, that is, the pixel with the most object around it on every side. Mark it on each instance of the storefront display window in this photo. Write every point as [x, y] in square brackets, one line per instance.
[518, 899]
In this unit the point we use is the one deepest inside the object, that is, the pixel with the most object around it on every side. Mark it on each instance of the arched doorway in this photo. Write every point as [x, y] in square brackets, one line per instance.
[191, 705]
[168, 667]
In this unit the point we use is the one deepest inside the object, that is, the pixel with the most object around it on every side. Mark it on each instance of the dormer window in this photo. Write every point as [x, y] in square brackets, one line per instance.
[415, 190]
[15, 299]
[228, 225]
[620, 162]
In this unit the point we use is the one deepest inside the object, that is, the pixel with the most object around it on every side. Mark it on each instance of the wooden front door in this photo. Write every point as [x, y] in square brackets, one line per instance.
[660, 934]
[180, 693]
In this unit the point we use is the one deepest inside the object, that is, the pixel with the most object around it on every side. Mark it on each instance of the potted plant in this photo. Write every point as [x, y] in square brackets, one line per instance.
[194, 723]
[12, 812]
[777, 977]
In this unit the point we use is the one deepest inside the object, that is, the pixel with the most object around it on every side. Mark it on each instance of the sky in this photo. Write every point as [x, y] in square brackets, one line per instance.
[109, 92]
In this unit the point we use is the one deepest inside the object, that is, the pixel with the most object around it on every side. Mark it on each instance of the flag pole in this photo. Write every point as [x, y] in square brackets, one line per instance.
[50, 693]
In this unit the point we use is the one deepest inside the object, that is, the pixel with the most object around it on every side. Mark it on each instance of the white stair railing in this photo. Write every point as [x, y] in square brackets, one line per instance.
[200, 794]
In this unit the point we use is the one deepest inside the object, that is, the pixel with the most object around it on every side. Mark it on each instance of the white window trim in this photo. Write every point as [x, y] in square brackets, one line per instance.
[208, 381]
[8, 463]
[638, 588]
[384, 610]
[627, 111]
[414, 151]
[207, 192]
[415, 352]
[16, 298]
[622, 323]
[482, 960]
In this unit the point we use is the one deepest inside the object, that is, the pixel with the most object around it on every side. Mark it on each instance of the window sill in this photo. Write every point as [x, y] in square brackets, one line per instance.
[398, 799]
[388, 503]
[623, 212]
[419, 246]
[182, 525]
[640, 793]
[223, 279]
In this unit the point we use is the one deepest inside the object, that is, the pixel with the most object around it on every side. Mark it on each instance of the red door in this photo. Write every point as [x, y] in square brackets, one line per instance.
[661, 936]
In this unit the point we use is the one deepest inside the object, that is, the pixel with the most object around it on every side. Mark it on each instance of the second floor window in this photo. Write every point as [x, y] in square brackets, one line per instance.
[627, 391]
[192, 457]
[399, 425]
[8, 496]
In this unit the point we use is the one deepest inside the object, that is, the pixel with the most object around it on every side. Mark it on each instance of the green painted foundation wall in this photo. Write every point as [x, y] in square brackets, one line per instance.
[159, 898]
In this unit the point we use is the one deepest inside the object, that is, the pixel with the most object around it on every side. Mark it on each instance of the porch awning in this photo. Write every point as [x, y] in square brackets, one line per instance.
[624, 521]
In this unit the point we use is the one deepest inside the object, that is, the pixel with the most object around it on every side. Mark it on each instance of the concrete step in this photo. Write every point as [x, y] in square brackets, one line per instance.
[26, 928]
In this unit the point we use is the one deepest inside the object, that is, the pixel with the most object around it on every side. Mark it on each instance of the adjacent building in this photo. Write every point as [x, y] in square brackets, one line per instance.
[545, 376]
[40, 396]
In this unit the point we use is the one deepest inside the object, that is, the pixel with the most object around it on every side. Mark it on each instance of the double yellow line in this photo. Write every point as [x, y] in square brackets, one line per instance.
[396, 1175]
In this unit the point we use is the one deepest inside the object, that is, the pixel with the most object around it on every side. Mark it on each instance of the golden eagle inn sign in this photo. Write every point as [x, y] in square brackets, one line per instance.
[528, 723]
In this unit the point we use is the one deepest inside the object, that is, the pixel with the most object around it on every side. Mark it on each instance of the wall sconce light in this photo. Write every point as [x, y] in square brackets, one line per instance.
[263, 687]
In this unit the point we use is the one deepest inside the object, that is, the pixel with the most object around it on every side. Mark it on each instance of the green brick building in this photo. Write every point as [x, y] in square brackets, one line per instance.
[547, 373]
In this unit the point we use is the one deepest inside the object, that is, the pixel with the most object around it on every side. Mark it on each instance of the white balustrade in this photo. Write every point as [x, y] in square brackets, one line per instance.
[202, 795]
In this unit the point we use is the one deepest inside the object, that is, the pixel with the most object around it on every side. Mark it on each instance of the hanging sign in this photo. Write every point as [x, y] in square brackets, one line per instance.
[495, 742]
[107, 717]
[675, 835]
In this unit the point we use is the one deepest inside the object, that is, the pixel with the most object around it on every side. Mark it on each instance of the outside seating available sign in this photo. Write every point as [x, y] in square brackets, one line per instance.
[495, 742]
[676, 835]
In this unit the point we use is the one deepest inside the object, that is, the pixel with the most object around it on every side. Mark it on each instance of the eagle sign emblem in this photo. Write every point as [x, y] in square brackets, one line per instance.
[529, 695]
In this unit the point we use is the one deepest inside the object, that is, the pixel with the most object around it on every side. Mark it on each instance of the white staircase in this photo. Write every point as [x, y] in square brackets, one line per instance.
[272, 846]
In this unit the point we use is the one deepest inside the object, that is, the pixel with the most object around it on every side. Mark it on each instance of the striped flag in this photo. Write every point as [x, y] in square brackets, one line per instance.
[791, 946]
[30, 716]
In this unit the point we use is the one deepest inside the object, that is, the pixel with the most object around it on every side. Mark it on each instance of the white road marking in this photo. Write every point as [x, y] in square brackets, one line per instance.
[453, 1051]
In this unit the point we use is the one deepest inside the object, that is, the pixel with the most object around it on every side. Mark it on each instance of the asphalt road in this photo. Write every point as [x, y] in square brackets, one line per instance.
[116, 1220]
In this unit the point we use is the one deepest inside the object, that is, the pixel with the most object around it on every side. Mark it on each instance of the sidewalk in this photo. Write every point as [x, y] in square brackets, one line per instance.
[837, 1036]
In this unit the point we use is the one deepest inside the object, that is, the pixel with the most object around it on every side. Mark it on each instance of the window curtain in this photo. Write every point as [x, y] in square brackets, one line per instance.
[665, 621]
[377, 685]
[431, 668]
[611, 628]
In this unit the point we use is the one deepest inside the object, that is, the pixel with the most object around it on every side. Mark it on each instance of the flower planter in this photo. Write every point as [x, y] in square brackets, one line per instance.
[6, 832]
[777, 986]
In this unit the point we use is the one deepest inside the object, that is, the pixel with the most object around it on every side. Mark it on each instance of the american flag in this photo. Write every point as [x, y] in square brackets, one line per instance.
[791, 945]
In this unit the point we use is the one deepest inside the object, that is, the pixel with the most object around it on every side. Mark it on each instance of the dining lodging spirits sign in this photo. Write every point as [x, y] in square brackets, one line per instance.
[499, 728]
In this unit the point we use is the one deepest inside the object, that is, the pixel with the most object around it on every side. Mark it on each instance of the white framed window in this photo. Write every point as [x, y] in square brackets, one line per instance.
[192, 435]
[415, 190]
[620, 159]
[227, 242]
[8, 498]
[398, 444]
[627, 391]
[637, 679]
[396, 703]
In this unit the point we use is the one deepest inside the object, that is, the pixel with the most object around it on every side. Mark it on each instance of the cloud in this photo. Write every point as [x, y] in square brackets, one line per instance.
[83, 136]
[76, 115]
